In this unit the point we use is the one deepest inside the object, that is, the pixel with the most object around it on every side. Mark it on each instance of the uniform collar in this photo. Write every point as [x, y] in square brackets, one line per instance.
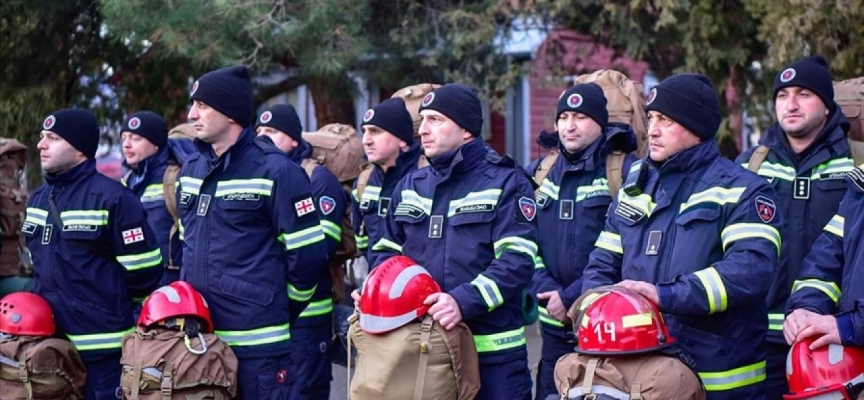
[206, 150]
[689, 159]
[301, 152]
[75, 174]
[462, 159]
[586, 159]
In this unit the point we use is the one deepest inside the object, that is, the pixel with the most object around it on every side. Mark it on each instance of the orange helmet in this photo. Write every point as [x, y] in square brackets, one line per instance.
[23, 313]
[614, 320]
[829, 372]
[179, 299]
[393, 295]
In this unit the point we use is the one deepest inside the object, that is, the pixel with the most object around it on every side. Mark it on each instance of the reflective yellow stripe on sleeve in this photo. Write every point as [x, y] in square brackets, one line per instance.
[489, 291]
[500, 341]
[775, 321]
[610, 241]
[253, 337]
[741, 231]
[538, 263]
[98, 341]
[836, 225]
[316, 308]
[733, 378]
[300, 295]
[331, 229]
[362, 241]
[714, 289]
[829, 288]
[134, 262]
[386, 244]
[548, 319]
[515, 243]
[302, 238]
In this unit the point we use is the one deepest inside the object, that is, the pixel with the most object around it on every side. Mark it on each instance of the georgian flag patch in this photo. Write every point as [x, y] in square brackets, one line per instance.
[133, 235]
[304, 206]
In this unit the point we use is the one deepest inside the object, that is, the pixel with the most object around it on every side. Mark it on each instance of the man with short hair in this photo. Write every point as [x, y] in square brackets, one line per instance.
[388, 141]
[253, 244]
[93, 250]
[469, 219]
[280, 126]
[807, 160]
[698, 236]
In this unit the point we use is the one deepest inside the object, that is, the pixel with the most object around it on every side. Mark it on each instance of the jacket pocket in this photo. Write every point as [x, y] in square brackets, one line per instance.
[245, 291]
[472, 218]
[699, 215]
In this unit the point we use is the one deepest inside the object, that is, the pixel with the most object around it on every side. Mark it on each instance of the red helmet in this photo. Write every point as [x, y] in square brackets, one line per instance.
[614, 320]
[825, 373]
[23, 313]
[179, 299]
[393, 295]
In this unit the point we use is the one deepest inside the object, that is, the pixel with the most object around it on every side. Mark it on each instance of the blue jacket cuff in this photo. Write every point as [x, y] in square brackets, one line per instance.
[667, 297]
[846, 328]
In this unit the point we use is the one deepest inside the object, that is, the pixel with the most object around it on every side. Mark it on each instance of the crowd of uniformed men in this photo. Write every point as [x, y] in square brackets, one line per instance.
[742, 264]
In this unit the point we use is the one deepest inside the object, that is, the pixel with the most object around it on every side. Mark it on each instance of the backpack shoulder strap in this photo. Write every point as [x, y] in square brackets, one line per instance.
[545, 166]
[758, 157]
[588, 381]
[363, 180]
[425, 334]
[422, 161]
[169, 190]
[309, 166]
[615, 171]
[856, 149]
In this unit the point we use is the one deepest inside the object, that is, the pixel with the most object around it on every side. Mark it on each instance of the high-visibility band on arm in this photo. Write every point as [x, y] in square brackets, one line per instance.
[775, 321]
[742, 231]
[362, 241]
[836, 225]
[153, 193]
[36, 216]
[714, 289]
[316, 308]
[500, 341]
[98, 341]
[135, 262]
[548, 319]
[302, 238]
[331, 229]
[386, 244]
[610, 241]
[190, 185]
[515, 243]
[254, 337]
[538, 263]
[489, 291]
[829, 288]
[300, 295]
[733, 378]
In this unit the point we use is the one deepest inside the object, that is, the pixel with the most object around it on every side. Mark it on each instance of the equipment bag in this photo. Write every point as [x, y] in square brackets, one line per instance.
[338, 147]
[419, 361]
[650, 376]
[413, 95]
[625, 101]
[13, 203]
[158, 365]
[40, 368]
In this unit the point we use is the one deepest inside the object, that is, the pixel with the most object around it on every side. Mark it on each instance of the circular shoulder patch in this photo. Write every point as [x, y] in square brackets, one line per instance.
[134, 123]
[49, 122]
[266, 116]
[574, 100]
[428, 99]
[787, 75]
[651, 96]
[368, 115]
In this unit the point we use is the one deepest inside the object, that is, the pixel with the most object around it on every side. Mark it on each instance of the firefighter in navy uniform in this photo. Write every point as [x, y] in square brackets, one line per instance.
[470, 219]
[311, 333]
[808, 157]
[253, 244]
[572, 203]
[148, 153]
[697, 235]
[388, 141]
[93, 251]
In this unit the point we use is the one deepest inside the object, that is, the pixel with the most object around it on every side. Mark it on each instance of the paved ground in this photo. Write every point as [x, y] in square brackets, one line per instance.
[339, 388]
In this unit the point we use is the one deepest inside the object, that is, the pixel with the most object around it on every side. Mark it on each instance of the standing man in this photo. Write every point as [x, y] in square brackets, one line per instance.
[311, 334]
[93, 251]
[805, 156]
[154, 163]
[253, 244]
[699, 237]
[388, 141]
[571, 205]
[470, 220]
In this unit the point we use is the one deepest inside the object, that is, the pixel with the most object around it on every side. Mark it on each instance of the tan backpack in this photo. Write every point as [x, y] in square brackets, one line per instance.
[183, 131]
[614, 170]
[337, 147]
[419, 361]
[157, 365]
[39, 368]
[413, 95]
[13, 203]
[648, 376]
[625, 101]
